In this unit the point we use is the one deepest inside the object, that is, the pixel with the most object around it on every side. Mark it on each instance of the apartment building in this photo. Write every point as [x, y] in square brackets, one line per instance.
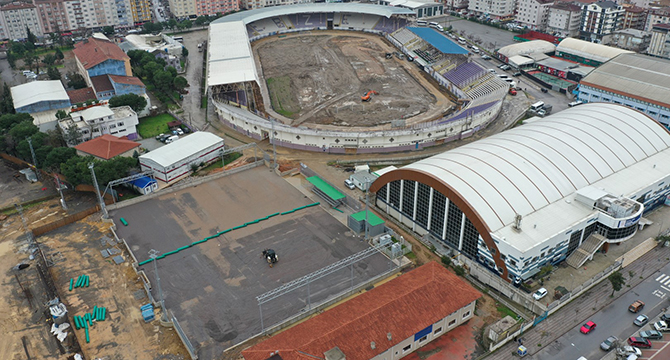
[53, 15]
[455, 4]
[257, 4]
[657, 16]
[100, 120]
[496, 9]
[634, 17]
[16, 17]
[141, 10]
[659, 44]
[213, 7]
[182, 8]
[564, 19]
[599, 19]
[533, 13]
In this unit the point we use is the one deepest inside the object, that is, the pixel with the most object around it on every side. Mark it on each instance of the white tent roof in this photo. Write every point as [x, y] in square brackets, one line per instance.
[181, 149]
[95, 112]
[230, 59]
[528, 47]
[37, 91]
[589, 50]
[534, 170]
[519, 60]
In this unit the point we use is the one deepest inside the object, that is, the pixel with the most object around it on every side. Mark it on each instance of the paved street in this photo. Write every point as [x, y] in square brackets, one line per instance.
[191, 102]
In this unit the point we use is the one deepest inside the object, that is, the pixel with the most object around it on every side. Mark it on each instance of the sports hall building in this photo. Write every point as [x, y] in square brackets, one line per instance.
[557, 188]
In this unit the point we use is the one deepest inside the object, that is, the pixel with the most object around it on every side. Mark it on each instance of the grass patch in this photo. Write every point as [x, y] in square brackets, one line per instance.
[173, 106]
[228, 158]
[154, 125]
[203, 102]
[283, 100]
[504, 311]
[411, 255]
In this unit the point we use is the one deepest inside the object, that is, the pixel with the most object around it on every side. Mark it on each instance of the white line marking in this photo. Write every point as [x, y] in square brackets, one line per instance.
[661, 278]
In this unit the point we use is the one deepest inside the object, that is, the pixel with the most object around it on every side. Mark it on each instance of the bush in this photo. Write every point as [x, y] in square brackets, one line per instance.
[459, 270]
[446, 260]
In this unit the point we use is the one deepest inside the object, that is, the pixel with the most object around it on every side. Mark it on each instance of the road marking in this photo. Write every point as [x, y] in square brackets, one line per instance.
[662, 277]
[659, 293]
[667, 282]
[665, 288]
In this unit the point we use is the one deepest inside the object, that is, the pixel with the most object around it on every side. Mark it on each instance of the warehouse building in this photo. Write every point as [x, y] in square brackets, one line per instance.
[388, 322]
[533, 195]
[638, 81]
[586, 52]
[42, 100]
[173, 161]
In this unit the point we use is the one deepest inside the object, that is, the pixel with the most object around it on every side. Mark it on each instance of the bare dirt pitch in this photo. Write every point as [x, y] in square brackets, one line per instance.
[212, 287]
[319, 78]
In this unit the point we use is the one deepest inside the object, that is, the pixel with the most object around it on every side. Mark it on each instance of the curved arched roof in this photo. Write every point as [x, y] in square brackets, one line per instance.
[524, 169]
[589, 50]
[528, 47]
[264, 13]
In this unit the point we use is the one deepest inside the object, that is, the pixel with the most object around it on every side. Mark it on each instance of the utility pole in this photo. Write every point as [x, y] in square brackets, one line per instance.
[154, 255]
[32, 152]
[29, 236]
[60, 191]
[367, 199]
[97, 191]
[274, 148]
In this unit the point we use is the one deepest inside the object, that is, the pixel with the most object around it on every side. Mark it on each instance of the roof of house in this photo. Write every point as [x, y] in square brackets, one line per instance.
[130, 80]
[143, 181]
[81, 95]
[661, 26]
[37, 91]
[401, 307]
[94, 112]
[95, 51]
[528, 47]
[101, 83]
[107, 146]
[183, 148]
[373, 219]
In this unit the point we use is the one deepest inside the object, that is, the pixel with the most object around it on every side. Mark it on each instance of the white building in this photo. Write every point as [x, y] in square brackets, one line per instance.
[257, 4]
[100, 120]
[456, 4]
[638, 81]
[422, 8]
[173, 161]
[16, 17]
[533, 13]
[97, 13]
[532, 195]
[657, 16]
[564, 19]
[599, 19]
[152, 43]
[503, 9]
[42, 100]
[659, 45]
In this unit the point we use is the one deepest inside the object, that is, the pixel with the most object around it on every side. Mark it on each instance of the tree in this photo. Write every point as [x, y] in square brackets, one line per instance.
[172, 23]
[58, 156]
[7, 121]
[151, 69]
[53, 73]
[76, 81]
[61, 114]
[136, 102]
[59, 54]
[23, 129]
[163, 80]
[77, 172]
[617, 280]
[30, 36]
[180, 83]
[30, 60]
[72, 136]
[171, 70]
[184, 51]
[6, 102]
[49, 59]
[108, 30]
[201, 20]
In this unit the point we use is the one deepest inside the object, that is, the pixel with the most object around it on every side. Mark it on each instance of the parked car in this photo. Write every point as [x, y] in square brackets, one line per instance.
[609, 343]
[539, 294]
[627, 350]
[501, 65]
[636, 306]
[661, 326]
[641, 320]
[349, 184]
[512, 91]
[651, 335]
[486, 57]
[544, 90]
[505, 67]
[639, 342]
[588, 327]
[665, 317]
[575, 103]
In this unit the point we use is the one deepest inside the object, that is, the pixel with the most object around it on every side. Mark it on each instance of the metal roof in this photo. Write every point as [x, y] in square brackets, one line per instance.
[589, 50]
[534, 170]
[642, 77]
[181, 149]
[257, 14]
[38, 91]
[230, 59]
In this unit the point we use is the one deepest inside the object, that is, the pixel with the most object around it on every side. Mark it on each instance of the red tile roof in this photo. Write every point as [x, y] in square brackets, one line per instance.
[94, 51]
[130, 80]
[402, 307]
[101, 83]
[107, 146]
[81, 95]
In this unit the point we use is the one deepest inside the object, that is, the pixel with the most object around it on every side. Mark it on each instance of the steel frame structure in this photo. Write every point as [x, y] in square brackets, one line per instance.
[127, 179]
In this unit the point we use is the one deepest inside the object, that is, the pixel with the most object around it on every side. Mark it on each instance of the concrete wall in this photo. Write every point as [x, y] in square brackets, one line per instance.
[111, 66]
[44, 106]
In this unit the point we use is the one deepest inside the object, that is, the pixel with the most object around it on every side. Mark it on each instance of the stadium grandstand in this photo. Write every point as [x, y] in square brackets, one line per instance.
[556, 188]
[233, 80]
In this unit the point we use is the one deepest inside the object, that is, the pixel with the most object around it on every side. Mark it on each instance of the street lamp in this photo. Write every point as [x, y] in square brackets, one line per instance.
[154, 255]
[572, 282]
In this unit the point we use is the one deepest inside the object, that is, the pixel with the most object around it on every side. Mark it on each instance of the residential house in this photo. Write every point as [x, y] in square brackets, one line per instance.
[659, 44]
[99, 120]
[107, 147]
[564, 19]
[533, 14]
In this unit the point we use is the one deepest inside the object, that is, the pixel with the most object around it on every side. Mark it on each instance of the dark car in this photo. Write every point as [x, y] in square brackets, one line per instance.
[639, 342]
[518, 73]
[544, 90]
[609, 343]
[588, 327]
[651, 335]
[665, 317]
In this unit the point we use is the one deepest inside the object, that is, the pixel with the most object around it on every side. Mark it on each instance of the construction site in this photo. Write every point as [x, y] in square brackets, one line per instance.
[343, 79]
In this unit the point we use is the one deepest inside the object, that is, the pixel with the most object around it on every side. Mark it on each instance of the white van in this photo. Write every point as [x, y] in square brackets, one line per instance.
[537, 106]
[421, 23]
[171, 139]
[433, 24]
[475, 50]
[439, 28]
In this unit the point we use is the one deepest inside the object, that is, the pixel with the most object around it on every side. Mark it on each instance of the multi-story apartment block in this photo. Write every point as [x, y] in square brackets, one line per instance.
[657, 16]
[182, 8]
[100, 120]
[496, 9]
[660, 41]
[599, 19]
[634, 17]
[53, 15]
[91, 13]
[141, 10]
[455, 4]
[533, 13]
[213, 7]
[564, 19]
[16, 17]
[257, 4]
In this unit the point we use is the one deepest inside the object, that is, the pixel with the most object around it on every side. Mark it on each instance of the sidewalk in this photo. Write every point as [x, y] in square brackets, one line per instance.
[581, 308]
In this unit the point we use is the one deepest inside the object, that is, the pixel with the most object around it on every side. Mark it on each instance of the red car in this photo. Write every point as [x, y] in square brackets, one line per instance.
[588, 327]
[639, 342]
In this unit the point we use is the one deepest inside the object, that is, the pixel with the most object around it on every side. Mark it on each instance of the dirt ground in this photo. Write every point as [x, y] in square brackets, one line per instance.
[76, 250]
[320, 78]
[16, 189]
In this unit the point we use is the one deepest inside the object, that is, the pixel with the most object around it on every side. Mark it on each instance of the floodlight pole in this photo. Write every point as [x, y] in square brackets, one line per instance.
[367, 199]
[97, 191]
[274, 148]
[154, 254]
[60, 191]
[32, 152]
[19, 209]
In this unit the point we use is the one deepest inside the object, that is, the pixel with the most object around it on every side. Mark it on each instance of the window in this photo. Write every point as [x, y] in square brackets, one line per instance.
[452, 322]
[437, 331]
[467, 313]
[423, 339]
[120, 124]
[407, 348]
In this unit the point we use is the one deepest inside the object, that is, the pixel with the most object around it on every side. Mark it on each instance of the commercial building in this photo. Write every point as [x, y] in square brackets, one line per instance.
[564, 19]
[97, 56]
[634, 80]
[99, 120]
[599, 19]
[388, 322]
[503, 9]
[530, 196]
[533, 14]
[41, 99]
[586, 52]
[16, 18]
[107, 147]
[422, 8]
[659, 44]
[173, 161]
[532, 47]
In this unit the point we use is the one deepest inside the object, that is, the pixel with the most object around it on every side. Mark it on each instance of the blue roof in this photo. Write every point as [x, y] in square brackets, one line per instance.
[143, 182]
[437, 40]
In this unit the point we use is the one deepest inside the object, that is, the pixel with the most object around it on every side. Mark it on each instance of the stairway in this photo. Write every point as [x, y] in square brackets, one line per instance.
[585, 250]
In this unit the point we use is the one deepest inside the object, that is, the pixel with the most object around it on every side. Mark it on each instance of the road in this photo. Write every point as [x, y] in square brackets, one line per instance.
[614, 319]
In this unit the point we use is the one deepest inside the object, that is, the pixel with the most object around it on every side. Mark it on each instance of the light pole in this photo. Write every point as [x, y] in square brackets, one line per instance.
[572, 282]
[32, 152]
[60, 191]
[97, 191]
[154, 255]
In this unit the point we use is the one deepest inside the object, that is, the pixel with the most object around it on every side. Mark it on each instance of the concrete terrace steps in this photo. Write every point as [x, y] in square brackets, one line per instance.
[585, 250]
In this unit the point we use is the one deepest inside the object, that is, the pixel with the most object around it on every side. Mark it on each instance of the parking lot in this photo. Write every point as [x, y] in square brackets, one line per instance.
[211, 287]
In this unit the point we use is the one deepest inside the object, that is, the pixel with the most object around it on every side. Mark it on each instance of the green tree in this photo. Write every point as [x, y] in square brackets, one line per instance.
[58, 156]
[172, 23]
[53, 73]
[180, 83]
[171, 70]
[151, 69]
[49, 59]
[75, 80]
[72, 136]
[7, 121]
[77, 172]
[18, 48]
[61, 114]
[184, 51]
[29, 60]
[30, 36]
[136, 102]
[23, 129]
[59, 54]
[108, 30]
[201, 20]
[186, 24]
[6, 102]
[135, 56]
[617, 280]
[163, 80]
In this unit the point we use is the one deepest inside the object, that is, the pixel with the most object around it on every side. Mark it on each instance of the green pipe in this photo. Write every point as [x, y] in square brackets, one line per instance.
[87, 280]
[104, 313]
[144, 262]
[76, 322]
[123, 221]
[78, 282]
[160, 257]
[183, 248]
[95, 311]
[71, 283]
[338, 210]
[88, 339]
